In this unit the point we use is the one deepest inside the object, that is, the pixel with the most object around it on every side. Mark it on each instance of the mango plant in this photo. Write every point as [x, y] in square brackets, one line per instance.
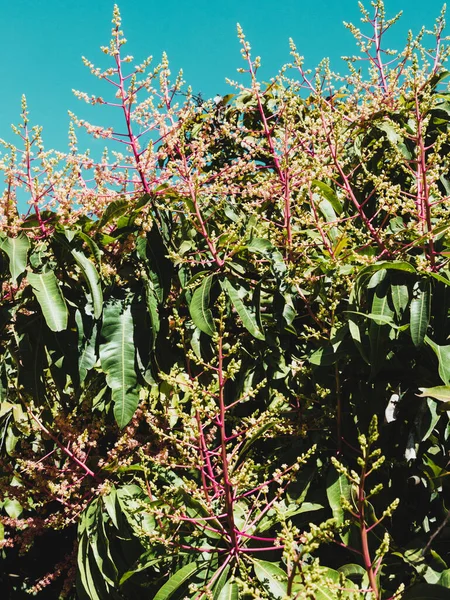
[224, 344]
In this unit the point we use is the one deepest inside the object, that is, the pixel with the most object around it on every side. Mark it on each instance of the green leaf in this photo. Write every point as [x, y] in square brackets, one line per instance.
[48, 294]
[352, 571]
[117, 358]
[380, 305]
[426, 591]
[355, 332]
[176, 581]
[247, 314]
[443, 356]
[17, 250]
[400, 298]
[337, 487]
[378, 337]
[13, 508]
[153, 252]
[272, 577]
[395, 265]
[152, 307]
[199, 307]
[113, 211]
[230, 591]
[221, 581]
[329, 194]
[268, 250]
[444, 579]
[331, 353]
[420, 311]
[440, 392]
[87, 346]
[93, 281]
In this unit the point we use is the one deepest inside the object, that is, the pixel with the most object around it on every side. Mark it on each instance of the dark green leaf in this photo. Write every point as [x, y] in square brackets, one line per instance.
[93, 281]
[420, 311]
[199, 307]
[426, 591]
[246, 313]
[48, 294]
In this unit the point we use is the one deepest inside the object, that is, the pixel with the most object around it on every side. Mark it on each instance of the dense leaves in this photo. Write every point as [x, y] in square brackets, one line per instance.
[224, 355]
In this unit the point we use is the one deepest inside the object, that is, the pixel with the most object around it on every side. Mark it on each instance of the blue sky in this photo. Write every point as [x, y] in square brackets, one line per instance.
[43, 41]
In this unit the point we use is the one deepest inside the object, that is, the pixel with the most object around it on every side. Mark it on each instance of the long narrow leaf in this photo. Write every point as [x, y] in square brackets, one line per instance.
[420, 312]
[93, 281]
[117, 358]
[247, 314]
[176, 581]
[199, 307]
[48, 294]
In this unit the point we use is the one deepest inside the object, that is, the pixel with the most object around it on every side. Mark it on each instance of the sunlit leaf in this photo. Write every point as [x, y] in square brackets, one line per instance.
[176, 581]
[246, 313]
[440, 392]
[230, 591]
[48, 294]
[16, 249]
[272, 577]
[117, 357]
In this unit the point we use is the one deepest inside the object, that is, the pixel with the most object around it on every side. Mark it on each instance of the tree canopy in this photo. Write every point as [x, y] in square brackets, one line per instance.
[224, 344]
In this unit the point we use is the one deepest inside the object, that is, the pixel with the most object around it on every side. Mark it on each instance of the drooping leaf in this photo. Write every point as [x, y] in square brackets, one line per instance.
[152, 307]
[16, 248]
[378, 337]
[153, 252]
[199, 307]
[176, 581]
[400, 298]
[381, 310]
[48, 294]
[93, 280]
[420, 311]
[246, 313]
[117, 358]
[356, 334]
[272, 577]
[87, 345]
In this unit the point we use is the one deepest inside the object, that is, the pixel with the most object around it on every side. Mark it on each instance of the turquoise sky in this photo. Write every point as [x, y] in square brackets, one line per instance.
[43, 41]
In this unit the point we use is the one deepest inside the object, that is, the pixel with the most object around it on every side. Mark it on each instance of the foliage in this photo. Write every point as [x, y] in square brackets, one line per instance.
[225, 370]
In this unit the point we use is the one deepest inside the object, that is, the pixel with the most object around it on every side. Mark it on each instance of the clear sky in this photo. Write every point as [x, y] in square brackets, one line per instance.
[43, 41]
